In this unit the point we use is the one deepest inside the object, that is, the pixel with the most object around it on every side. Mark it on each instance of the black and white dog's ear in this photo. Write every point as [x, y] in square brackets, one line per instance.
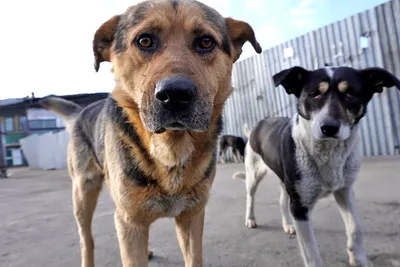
[293, 80]
[377, 78]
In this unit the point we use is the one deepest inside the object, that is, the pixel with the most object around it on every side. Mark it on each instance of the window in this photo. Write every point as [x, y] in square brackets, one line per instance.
[364, 42]
[9, 124]
[288, 52]
[42, 124]
[22, 123]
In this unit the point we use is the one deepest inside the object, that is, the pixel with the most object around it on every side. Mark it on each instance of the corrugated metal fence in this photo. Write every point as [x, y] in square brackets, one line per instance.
[371, 38]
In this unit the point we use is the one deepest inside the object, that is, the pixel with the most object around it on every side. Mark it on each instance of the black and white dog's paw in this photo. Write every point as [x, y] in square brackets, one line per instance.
[251, 223]
[360, 262]
[289, 229]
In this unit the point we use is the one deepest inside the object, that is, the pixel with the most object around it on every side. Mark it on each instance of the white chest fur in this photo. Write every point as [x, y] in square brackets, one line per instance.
[325, 165]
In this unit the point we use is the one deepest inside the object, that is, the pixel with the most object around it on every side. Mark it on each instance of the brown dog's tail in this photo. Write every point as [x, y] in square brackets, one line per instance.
[239, 176]
[67, 110]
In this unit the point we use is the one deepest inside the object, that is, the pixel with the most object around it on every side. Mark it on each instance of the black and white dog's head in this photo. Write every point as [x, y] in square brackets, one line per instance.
[333, 100]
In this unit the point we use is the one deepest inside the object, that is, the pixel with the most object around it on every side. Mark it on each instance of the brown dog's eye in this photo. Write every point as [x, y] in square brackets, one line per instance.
[145, 42]
[204, 44]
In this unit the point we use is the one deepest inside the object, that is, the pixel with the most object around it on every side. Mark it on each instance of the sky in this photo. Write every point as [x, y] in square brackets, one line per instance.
[46, 45]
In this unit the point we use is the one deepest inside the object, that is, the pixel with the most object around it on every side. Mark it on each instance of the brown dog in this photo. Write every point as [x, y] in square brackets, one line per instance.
[154, 139]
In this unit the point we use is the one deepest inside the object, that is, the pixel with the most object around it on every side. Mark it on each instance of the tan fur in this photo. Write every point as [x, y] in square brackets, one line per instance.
[343, 86]
[323, 87]
[176, 160]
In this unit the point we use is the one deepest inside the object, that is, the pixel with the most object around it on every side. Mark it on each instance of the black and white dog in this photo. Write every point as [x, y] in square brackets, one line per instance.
[315, 153]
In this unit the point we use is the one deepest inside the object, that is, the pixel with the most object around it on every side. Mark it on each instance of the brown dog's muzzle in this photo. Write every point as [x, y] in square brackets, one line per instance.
[176, 105]
[175, 94]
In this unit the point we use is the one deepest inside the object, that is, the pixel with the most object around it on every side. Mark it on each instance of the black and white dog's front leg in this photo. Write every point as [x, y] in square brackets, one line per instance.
[305, 234]
[355, 248]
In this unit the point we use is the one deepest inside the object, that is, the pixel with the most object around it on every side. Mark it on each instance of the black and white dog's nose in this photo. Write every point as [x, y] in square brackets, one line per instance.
[330, 128]
[175, 93]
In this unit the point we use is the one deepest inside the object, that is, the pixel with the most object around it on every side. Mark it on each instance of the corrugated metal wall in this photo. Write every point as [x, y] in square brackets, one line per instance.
[340, 43]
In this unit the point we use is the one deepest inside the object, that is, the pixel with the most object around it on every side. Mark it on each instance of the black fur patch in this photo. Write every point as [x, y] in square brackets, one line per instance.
[175, 4]
[219, 127]
[299, 212]
[210, 166]
[86, 130]
[226, 44]
[129, 163]
[120, 118]
[132, 170]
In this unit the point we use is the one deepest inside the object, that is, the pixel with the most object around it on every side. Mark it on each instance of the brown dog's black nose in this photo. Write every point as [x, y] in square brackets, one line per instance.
[175, 93]
[330, 128]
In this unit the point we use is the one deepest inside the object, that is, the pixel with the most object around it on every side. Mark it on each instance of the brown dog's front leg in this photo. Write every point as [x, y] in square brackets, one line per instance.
[189, 229]
[133, 239]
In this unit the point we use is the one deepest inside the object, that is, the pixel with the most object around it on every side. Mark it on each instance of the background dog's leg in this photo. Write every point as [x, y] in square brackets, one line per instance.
[133, 239]
[355, 249]
[235, 156]
[253, 178]
[308, 243]
[189, 229]
[85, 194]
[222, 156]
[285, 211]
[238, 156]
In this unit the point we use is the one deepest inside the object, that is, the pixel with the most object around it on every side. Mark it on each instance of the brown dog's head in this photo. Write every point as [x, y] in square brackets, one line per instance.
[173, 59]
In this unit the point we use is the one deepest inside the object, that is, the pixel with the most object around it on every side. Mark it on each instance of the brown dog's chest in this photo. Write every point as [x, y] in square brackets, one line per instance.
[168, 195]
[179, 190]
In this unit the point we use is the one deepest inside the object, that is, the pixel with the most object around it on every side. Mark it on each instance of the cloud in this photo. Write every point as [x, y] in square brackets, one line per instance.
[301, 23]
[305, 3]
[301, 15]
[255, 5]
[302, 9]
[223, 6]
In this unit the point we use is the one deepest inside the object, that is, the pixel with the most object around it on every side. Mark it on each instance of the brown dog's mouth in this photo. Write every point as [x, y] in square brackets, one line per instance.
[157, 119]
[176, 126]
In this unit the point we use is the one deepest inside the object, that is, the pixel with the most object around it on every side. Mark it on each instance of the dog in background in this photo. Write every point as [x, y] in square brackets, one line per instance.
[3, 172]
[315, 153]
[237, 144]
[154, 139]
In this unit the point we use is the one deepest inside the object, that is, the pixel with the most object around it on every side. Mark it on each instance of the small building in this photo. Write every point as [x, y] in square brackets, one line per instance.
[24, 116]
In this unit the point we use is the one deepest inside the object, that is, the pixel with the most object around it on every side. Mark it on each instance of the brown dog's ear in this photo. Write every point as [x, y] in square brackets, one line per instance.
[240, 32]
[103, 40]
[377, 78]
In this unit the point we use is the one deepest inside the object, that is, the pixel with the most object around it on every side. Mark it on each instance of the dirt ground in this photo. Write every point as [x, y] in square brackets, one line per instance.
[37, 227]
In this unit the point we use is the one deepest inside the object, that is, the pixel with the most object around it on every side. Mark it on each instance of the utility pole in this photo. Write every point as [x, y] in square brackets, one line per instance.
[3, 168]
